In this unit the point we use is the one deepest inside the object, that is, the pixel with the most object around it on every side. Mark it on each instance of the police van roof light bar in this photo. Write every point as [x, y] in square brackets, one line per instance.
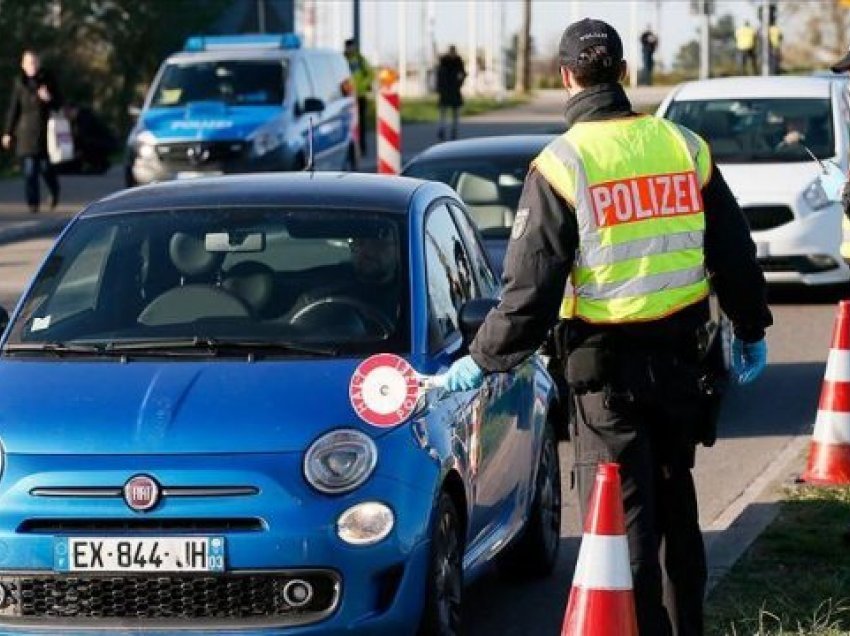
[282, 41]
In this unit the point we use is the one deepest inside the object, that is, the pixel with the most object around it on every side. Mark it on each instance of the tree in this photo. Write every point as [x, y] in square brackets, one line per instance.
[723, 60]
[823, 36]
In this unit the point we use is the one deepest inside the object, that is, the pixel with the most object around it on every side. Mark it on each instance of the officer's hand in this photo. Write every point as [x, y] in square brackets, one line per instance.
[748, 360]
[463, 375]
[7, 141]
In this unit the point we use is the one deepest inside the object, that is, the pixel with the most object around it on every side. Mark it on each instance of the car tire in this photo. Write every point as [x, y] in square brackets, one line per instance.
[535, 552]
[444, 585]
[352, 159]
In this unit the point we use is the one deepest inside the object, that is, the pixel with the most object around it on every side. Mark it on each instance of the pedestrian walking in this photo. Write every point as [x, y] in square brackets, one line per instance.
[745, 42]
[363, 76]
[774, 37]
[450, 77]
[34, 96]
[631, 210]
[648, 44]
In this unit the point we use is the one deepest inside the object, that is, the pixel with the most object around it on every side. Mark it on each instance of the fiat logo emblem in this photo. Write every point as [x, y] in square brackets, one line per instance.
[141, 493]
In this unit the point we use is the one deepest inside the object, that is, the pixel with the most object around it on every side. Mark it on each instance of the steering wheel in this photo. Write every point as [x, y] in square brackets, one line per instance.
[367, 311]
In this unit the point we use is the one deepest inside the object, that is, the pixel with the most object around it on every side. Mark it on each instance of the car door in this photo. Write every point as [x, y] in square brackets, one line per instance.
[332, 128]
[487, 423]
[511, 397]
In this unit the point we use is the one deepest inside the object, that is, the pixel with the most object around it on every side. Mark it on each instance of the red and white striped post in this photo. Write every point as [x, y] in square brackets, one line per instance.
[389, 123]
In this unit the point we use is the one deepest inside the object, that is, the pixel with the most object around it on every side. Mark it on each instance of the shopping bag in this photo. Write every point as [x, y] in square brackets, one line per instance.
[60, 142]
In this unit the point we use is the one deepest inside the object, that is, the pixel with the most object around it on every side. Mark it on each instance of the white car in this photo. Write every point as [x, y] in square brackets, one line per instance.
[765, 133]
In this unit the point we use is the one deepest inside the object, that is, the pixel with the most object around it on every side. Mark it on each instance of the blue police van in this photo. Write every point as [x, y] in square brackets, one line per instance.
[230, 104]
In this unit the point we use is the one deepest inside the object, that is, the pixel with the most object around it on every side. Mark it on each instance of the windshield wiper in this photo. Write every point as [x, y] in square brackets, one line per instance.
[215, 345]
[57, 348]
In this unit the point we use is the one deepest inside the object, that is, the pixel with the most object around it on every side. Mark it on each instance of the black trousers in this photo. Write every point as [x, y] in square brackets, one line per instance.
[642, 419]
[35, 167]
[361, 114]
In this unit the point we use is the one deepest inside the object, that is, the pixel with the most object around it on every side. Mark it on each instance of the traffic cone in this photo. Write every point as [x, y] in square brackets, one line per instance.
[601, 600]
[829, 454]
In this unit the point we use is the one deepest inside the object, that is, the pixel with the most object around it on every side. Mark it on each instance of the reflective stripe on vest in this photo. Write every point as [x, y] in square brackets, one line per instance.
[635, 185]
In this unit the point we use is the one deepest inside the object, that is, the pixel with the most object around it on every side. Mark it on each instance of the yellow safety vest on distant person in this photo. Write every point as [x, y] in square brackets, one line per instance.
[745, 38]
[774, 35]
[635, 185]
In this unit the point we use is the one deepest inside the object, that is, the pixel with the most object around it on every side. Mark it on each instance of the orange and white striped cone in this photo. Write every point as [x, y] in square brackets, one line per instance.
[602, 600]
[389, 123]
[829, 454]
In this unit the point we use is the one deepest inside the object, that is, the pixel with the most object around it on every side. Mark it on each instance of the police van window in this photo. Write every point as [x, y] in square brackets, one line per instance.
[448, 271]
[236, 82]
[303, 84]
[328, 87]
[487, 282]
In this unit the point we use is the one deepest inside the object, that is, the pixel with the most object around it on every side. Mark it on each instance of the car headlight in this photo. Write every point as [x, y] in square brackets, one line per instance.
[145, 142]
[815, 195]
[366, 523]
[340, 461]
[263, 143]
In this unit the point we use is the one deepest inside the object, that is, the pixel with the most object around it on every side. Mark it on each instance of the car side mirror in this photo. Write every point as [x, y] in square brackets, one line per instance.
[4, 319]
[472, 316]
[313, 105]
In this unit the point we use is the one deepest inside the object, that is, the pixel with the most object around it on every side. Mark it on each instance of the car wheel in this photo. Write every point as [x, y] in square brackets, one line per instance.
[444, 586]
[535, 552]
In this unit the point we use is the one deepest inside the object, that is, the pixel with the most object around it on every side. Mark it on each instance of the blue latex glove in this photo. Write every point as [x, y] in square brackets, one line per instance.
[748, 360]
[463, 375]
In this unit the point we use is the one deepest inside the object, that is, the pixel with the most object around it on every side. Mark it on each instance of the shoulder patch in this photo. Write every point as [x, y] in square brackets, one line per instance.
[520, 223]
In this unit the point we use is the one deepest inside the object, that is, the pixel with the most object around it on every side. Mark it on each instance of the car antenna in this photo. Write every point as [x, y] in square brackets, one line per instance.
[813, 156]
[310, 165]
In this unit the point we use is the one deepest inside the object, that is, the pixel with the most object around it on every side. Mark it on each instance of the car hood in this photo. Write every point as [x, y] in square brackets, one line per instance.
[88, 407]
[753, 183]
[206, 121]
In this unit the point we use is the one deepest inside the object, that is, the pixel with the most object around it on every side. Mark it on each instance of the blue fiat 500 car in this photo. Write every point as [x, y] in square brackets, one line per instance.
[180, 446]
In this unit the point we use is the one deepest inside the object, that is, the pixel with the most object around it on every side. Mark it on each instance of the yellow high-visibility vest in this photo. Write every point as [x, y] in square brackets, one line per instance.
[745, 38]
[774, 35]
[635, 185]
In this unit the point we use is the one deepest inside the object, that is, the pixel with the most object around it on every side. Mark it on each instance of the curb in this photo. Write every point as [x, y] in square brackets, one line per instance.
[32, 229]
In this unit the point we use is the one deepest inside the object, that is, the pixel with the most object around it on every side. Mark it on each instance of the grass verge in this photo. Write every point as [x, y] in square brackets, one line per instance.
[795, 579]
[424, 109]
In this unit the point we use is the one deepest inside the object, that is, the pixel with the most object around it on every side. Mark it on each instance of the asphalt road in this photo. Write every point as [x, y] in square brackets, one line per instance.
[759, 424]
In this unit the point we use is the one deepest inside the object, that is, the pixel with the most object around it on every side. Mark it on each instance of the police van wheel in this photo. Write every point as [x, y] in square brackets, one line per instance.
[352, 159]
[535, 552]
[444, 585]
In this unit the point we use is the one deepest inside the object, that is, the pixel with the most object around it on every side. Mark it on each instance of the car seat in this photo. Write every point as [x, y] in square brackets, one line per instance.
[253, 282]
[198, 295]
[482, 199]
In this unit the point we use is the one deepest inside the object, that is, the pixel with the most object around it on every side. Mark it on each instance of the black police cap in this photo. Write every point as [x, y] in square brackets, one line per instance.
[587, 33]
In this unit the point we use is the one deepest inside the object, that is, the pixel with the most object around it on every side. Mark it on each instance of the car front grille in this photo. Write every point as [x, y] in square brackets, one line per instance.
[156, 600]
[201, 155]
[767, 217]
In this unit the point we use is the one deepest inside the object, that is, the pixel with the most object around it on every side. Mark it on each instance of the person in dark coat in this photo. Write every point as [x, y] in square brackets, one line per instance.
[34, 96]
[450, 76]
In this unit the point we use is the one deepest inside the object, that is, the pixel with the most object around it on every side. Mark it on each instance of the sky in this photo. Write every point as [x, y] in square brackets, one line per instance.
[380, 22]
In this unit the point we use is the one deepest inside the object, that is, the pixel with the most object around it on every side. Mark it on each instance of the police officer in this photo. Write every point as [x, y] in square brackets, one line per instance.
[631, 211]
[362, 75]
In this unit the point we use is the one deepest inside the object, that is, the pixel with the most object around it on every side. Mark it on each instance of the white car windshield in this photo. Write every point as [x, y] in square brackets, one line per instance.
[760, 130]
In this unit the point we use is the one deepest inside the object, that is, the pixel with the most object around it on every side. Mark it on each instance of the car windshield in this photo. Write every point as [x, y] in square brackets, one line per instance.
[305, 277]
[489, 187]
[760, 130]
[238, 82]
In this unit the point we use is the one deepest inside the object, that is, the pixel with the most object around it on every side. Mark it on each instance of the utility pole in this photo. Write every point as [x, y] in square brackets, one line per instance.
[355, 21]
[261, 16]
[765, 37]
[633, 46]
[704, 40]
[523, 70]
[402, 47]
[472, 30]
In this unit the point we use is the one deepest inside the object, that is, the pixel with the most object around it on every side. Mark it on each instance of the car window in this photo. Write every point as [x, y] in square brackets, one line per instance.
[760, 130]
[487, 282]
[489, 188]
[77, 276]
[450, 283]
[308, 276]
[328, 87]
[238, 82]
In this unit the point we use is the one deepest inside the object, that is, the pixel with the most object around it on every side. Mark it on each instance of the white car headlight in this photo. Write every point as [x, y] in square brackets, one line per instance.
[366, 523]
[145, 142]
[815, 195]
[340, 461]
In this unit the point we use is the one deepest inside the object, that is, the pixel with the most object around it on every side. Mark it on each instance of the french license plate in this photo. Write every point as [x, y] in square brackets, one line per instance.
[137, 554]
[194, 174]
